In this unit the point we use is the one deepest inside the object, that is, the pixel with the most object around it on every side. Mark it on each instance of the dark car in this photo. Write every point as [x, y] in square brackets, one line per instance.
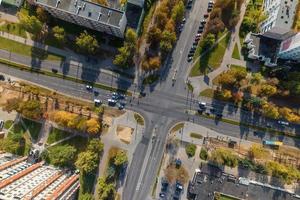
[54, 70]
[219, 116]
[2, 77]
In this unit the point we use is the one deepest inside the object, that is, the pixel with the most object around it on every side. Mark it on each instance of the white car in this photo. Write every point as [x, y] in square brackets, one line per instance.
[202, 104]
[211, 2]
[283, 123]
[89, 87]
[97, 101]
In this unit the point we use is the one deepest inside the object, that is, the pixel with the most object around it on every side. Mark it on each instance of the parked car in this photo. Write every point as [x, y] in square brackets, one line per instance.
[89, 87]
[1, 124]
[206, 15]
[284, 123]
[202, 104]
[112, 102]
[211, 2]
[97, 102]
[190, 59]
[203, 21]
[209, 9]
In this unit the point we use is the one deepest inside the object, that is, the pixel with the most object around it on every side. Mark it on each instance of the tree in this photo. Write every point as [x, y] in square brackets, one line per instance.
[258, 152]
[268, 90]
[224, 157]
[153, 35]
[86, 196]
[87, 161]
[102, 2]
[41, 14]
[256, 78]
[167, 41]
[11, 104]
[288, 114]
[105, 191]
[120, 158]
[61, 155]
[190, 150]
[203, 154]
[30, 23]
[9, 145]
[178, 12]
[59, 34]
[226, 94]
[270, 110]
[87, 43]
[154, 63]
[170, 26]
[95, 145]
[208, 41]
[161, 19]
[30, 109]
[93, 126]
[125, 57]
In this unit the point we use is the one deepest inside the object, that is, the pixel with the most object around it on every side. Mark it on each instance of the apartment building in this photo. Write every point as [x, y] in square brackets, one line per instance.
[87, 14]
[21, 179]
[290, 48]
[280, 13]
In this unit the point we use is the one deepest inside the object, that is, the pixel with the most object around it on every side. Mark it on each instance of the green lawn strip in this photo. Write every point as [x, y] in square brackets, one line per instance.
[58, 75]
[18, 134]
[207, 93]
[26, 50]
[139, 119]
[213, 58]
[33, 128]
[226, 197]
[14, 29]
[259, 128]
[8, 124]
[196, 135]
[236, 53]
[56, 135]
[177, 127]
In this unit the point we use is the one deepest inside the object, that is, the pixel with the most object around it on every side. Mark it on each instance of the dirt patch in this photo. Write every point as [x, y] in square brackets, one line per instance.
[174, 173]
[124, 133]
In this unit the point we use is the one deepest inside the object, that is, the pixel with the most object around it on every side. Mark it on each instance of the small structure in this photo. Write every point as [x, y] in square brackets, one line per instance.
[13, 3]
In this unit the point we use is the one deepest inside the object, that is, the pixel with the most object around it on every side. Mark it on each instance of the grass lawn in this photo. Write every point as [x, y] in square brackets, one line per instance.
[225, 197]
[8, 124]
[236, 53]
[196, 135]
[207, 93]
[13, 28]
[33, 128]
[18, 135]
[26, 50]
[177, 127]
[211, 60]
[139, 119]
[56, 135]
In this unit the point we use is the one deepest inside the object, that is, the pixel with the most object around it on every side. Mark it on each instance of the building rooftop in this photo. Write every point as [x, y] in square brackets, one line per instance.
[278, 33]
[88, 10]
[16, 3]
[21, 179]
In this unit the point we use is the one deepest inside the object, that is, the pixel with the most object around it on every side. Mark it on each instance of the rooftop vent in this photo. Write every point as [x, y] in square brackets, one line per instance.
[83, 7]
[90, 14]
[99, 16]
[78, 9]
[109, 13]
[75, 3]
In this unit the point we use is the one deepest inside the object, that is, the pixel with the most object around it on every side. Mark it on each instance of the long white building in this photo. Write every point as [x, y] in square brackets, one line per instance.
[87, 14]
[280, 14]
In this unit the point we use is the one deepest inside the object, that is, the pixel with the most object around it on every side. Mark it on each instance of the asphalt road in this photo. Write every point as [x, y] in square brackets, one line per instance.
[162, 107]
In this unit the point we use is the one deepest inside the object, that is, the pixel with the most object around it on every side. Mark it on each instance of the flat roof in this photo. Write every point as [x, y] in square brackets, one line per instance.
[278, 33]
[87, 9]
[16, 3]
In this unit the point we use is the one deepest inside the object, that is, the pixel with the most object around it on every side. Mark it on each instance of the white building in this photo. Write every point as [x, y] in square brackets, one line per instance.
[280, 14]
[87, 14]
[290, 48]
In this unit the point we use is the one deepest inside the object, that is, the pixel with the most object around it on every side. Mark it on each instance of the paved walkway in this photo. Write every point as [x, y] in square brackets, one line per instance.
[110, 139]
[203, 82]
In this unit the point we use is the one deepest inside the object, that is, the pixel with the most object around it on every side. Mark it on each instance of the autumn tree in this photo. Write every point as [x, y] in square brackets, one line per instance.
[154, 63]
[154, 35]
[41, 14]
[87, 43]
[268, 90]
[270, 110]
[288, 114]
[120, 158]
[208, 41]
[258, 152]
[93, 126]
[30, 109]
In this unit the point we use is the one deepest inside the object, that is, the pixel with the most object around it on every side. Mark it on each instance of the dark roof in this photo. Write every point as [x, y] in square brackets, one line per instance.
[278, 33]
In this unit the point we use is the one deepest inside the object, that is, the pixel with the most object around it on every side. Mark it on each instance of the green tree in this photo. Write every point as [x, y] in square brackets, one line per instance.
[87, 43]
[105, 190]
[59, 34]
[256, 78]
[30, 23]
[178, 12]
[223, 156]
[86, 196]
[190, 150]
[87, 161]
[61, 155]
[95, 145]
[258, 152]
[131, 38]
[30, 109]
[208, 41]
[167, 41]
[203, 154]
[120, 158]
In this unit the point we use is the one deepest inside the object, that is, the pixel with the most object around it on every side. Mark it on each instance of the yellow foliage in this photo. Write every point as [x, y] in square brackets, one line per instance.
[289, 115]
[93, 126]
[258, 152]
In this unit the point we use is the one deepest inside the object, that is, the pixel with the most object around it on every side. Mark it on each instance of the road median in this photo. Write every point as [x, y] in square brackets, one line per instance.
[27, 68]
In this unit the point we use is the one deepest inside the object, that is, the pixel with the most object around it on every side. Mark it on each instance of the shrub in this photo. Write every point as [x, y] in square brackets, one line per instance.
[203, 154]
[190, 150]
